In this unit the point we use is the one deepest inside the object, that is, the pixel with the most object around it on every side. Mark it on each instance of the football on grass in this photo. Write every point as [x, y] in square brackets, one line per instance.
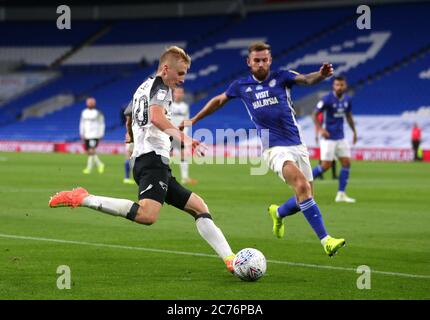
[249, 264]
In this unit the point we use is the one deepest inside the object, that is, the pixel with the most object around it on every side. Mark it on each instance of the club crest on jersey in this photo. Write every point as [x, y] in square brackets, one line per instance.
[161, 94]
[272, 83]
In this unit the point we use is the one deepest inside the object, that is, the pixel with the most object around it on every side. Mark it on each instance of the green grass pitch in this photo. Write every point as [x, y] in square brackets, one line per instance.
[388, 229]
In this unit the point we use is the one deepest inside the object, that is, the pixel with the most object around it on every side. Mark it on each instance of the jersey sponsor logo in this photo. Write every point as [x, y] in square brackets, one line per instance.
[161, 94]
[147, 188]
[265, 102]
[339, 111]
[262, 94]
[263, 99]
[272, 83]
[259, 87]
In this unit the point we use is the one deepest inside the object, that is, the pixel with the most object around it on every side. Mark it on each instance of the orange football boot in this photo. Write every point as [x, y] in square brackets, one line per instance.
[73, 198]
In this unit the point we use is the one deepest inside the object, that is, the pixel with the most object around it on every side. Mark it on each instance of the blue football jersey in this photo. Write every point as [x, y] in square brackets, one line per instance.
[334, 110]
[270, 106]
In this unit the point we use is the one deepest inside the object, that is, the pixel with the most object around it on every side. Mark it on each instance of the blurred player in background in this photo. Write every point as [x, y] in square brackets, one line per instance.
[416, 141]
[266, 95]
[335, 106]
[91, 130]
[320, 119]
[151, 133]
[126, 115]
[181, 112]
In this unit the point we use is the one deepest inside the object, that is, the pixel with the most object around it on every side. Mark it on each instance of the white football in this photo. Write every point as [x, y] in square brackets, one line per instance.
[249, 264]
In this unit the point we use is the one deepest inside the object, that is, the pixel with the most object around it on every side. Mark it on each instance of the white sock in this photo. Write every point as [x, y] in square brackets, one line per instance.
[97, 160]
[90, 162]
[214, 236]
[112, 206]
[324, 240]
[184, 169]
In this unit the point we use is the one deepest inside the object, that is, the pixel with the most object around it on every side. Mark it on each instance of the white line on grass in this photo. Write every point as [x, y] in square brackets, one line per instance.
[294, 264]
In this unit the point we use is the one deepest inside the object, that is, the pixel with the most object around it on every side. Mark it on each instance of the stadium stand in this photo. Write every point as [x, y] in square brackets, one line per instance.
[113, 63]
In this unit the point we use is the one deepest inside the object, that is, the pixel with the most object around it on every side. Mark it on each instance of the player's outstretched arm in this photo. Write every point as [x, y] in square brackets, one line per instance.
[158, 119]
[213, 105]
[318, 126]
[128, 125]
[351, 123]
[81, 128]
[102, 125]
[309, 79]
[315, 120]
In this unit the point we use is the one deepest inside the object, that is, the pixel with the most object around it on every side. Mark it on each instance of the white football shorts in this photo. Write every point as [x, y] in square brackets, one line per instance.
[332, 149]
[275, 158]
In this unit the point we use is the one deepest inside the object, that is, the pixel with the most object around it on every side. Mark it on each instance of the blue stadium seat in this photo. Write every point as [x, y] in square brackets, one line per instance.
[218, 45]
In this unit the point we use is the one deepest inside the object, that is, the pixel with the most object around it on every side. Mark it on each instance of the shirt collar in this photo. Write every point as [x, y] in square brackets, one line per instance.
[255, 79]
[341, 97]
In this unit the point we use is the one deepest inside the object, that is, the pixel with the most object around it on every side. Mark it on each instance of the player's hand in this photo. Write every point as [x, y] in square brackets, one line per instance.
[181, 126]
[201, 149]
[324, 133]
[185, 123]
[326, 70]
[354, 138]
[196, 146]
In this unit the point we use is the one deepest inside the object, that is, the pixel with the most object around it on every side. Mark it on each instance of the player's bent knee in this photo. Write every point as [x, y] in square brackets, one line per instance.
[147, 213]
[146, 219]
[196, 204]
[303, 189]
[346, 164]
[326, 165]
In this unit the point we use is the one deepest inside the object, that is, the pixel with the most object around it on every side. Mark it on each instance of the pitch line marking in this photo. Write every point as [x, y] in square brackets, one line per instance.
[294, 264]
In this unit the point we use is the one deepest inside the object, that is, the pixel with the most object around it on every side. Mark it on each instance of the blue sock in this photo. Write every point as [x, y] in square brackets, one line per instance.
[313, 215]
[127, 169]
[289, 208]
[343, 178]
[317, 171]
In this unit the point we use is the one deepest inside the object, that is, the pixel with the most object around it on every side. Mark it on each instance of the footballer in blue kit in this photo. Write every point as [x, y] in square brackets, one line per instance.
[266, 95]
[269, 106]
[336, 106]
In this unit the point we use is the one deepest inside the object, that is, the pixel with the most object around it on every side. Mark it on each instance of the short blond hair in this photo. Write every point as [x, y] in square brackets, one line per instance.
[259, 46]
[174, 53]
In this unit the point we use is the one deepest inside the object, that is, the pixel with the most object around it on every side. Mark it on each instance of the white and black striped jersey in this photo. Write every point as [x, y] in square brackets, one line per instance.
[147, 137]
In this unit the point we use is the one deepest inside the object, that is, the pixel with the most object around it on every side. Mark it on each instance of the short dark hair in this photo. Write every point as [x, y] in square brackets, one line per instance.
[259, 46]
[339, 78]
